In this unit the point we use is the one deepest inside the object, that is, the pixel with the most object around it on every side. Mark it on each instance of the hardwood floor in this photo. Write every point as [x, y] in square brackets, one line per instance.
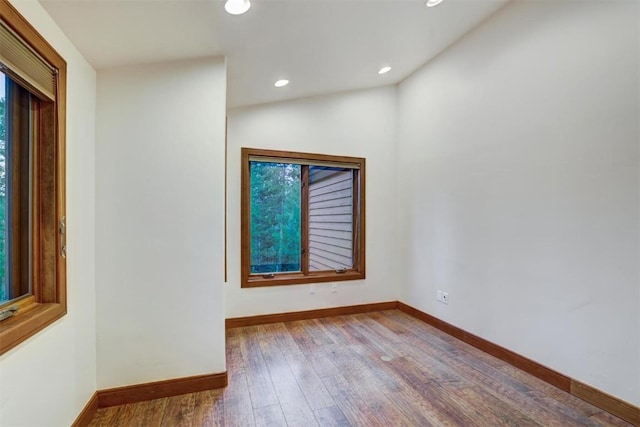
[376, 369]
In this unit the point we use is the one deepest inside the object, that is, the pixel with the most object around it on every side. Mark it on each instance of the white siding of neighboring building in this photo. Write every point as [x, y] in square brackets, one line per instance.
[331, 221]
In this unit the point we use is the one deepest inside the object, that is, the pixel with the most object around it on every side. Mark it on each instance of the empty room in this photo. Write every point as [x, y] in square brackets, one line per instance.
[319, 213]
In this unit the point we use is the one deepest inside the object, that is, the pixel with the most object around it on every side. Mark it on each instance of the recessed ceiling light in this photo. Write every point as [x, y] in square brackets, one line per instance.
[281, 83]
[237, 7]
[431, 3]
[384, 70]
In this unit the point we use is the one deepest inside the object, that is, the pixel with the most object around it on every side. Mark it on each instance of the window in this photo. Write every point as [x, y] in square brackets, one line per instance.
[303, 218]
[32, 181]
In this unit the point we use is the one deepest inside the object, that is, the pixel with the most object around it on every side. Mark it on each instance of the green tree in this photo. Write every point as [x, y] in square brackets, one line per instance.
[275, 217]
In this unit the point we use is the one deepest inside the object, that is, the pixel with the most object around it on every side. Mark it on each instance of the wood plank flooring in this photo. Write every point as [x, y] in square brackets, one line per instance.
[377, 369]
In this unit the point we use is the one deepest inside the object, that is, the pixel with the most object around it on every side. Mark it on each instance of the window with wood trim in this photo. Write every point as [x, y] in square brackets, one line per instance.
[32, 181]
[303, 218]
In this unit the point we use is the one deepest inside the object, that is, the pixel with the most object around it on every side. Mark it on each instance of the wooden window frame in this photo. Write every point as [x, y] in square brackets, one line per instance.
[48, 299]
[305, 276]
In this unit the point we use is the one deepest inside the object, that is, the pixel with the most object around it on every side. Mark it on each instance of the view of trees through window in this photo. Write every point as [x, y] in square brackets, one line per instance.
[4, 294]
[275, 217]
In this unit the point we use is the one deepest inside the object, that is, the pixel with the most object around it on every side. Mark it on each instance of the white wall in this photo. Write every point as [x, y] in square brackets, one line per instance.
[360, 124]
[49, 378]
[160, 221]
[519, 187]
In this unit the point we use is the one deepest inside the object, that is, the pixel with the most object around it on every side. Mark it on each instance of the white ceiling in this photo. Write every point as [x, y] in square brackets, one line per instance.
[321, 46]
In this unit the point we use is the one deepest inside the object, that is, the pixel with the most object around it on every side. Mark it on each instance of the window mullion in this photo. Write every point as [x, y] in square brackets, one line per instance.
[304, 220]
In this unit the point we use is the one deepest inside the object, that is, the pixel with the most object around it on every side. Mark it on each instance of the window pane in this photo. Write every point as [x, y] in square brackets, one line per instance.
[330, 218]
[4, 286]
[15, 189]
[275, 217]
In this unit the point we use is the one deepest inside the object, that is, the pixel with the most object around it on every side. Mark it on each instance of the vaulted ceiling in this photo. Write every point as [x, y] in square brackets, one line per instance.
[321, 46]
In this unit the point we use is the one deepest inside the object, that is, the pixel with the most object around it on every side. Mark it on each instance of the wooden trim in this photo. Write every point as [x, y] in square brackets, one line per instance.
[289, 155]
[36, 317]
[245, 218]
[238, 322]
[537, 370]
[362, 218]
[159, 389]
[61, 186]
[280, 279]
[602, 400]
[355, 218]
[84, 419]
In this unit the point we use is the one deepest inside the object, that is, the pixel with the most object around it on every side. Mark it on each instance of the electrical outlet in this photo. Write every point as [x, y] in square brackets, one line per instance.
[312, 289]
[445, 297]
[334, 288]
[439, 295]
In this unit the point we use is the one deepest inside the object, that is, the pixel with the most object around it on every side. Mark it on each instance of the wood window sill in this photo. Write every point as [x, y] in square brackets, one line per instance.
[31, 319]
[257, 281]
